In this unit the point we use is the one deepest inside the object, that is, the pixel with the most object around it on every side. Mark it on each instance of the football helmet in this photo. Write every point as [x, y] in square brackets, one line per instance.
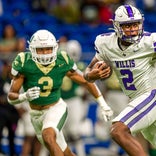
[128, 14]
[74, 50]
[43, 39]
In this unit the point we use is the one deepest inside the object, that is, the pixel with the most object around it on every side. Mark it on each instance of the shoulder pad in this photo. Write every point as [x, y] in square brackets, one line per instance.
[65, 56]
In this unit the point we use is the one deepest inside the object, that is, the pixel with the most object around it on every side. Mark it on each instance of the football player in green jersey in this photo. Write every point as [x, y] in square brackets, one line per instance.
[40, 72]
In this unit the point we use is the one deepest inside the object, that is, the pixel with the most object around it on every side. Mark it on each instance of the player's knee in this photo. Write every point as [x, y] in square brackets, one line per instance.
[114, 132]
[118, 130]
[49, 135]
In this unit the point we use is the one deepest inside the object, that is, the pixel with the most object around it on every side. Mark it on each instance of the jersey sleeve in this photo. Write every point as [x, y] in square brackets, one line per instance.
[17, 64]
[69, 61]
[100, 55]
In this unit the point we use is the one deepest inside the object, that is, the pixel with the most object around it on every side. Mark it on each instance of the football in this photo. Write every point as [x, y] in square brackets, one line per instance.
[106, 64]
[99, 63]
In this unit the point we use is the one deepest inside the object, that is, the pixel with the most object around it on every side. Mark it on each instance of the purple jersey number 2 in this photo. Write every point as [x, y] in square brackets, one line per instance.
[127, 81]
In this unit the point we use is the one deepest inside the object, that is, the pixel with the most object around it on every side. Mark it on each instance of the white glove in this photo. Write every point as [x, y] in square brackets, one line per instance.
[107, 113]
[32, 93]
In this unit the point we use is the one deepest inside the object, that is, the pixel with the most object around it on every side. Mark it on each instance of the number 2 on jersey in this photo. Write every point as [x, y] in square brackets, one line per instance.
[127, 81]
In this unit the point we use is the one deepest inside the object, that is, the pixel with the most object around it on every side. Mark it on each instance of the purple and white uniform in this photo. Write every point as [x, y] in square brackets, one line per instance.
[135, 70]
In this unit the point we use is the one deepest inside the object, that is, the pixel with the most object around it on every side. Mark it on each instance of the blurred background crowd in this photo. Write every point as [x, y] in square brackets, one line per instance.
[69, 20]
[76, 19]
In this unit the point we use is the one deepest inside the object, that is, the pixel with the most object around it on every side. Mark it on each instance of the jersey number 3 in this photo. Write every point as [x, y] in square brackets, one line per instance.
[48, 87]
[127, 81]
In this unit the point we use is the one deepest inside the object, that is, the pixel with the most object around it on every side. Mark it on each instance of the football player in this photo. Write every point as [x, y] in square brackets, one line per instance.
[131, 52]
[41, 72]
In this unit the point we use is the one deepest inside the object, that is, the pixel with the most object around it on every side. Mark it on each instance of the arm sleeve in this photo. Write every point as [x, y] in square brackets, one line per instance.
[17, 64]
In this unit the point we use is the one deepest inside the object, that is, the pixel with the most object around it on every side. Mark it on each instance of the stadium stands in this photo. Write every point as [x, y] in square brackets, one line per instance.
[26, 22]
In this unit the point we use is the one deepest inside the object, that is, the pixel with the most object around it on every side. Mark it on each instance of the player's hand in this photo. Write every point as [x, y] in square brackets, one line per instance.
[33, 93]
[101, 70]
[106, 113]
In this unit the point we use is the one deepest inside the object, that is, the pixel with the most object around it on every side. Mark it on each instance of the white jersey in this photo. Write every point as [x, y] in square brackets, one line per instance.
[133, 66]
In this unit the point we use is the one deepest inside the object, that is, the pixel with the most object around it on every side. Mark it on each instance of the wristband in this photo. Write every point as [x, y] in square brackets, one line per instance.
[22, 97]
[102, 102]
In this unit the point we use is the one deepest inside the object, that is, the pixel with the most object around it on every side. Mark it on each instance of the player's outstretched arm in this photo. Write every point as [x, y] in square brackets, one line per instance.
[77, 76]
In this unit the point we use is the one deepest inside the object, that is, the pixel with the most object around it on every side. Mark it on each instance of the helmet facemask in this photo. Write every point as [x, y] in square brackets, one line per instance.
[128, 15]
[43, 39]
[44, 59]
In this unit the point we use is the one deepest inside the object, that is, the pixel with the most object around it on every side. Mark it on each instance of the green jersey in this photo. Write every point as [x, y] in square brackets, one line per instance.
[49, 78]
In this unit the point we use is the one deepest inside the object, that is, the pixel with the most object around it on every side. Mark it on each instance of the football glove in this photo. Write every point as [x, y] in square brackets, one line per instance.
[32, 93]
[106, 113]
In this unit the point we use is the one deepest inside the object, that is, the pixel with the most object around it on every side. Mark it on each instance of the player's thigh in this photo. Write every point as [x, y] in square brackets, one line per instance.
[61, 141]
[55, 116]
[140, 113]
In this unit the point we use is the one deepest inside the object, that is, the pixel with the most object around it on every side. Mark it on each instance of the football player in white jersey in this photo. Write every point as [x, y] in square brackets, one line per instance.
[131, 52]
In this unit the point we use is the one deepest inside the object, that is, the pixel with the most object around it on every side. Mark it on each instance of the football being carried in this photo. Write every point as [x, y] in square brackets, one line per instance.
[100, 70]
[101, 67]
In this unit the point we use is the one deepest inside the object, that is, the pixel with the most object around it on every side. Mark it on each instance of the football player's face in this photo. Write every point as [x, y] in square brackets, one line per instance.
[46, 50]
[131, 29]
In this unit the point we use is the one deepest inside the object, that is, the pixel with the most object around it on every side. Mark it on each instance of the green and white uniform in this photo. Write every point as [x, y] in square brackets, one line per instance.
[49, 78]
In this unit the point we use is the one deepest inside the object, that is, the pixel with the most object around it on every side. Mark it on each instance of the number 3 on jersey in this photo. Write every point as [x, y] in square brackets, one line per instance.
[127, 81]
[48, 87]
